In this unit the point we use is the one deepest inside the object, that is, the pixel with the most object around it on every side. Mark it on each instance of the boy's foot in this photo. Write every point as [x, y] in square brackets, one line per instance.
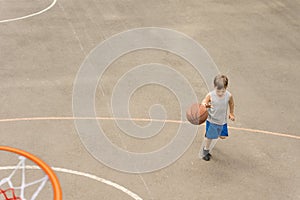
[206, 158]
[206, 154]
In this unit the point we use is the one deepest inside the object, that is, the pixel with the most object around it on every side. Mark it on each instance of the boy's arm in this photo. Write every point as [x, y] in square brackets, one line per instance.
[206, 101]
[231, 108]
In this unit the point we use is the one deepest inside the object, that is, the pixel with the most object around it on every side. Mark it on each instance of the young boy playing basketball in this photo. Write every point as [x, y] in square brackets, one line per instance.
[217, 102]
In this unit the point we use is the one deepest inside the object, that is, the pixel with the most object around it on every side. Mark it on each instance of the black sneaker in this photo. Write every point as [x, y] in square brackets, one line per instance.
[206, 154]
[206, 157]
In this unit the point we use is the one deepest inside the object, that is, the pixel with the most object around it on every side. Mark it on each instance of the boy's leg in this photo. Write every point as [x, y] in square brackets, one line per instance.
[207, 143]
[206, 155]
[204, 152]
[213, 131]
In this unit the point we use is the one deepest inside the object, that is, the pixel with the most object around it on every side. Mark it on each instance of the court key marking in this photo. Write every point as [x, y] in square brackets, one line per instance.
[83, 174]
[30, 15]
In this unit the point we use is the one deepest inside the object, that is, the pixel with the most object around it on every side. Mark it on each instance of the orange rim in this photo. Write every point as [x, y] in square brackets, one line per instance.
[57, 193]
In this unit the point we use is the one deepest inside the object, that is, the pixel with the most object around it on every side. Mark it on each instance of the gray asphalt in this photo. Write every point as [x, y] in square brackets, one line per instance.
[256, 43]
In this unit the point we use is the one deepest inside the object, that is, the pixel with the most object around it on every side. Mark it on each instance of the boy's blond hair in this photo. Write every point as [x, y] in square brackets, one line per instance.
[221, 82]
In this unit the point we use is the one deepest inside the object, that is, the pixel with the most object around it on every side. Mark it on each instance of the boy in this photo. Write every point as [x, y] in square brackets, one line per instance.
[217, 102]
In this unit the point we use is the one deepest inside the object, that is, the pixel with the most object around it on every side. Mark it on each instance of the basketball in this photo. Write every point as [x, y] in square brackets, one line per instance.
[197, 114]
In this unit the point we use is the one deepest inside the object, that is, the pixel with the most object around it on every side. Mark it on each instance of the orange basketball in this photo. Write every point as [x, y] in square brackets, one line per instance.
[197, 114]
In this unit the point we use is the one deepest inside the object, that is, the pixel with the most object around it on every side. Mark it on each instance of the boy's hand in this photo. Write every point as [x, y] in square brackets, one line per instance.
[231, 116]
[207, 105]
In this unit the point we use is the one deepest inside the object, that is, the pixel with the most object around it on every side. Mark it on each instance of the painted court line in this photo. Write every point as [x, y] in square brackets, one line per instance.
[86, 175]
[265, 132]
[146, 120]
[30, 15]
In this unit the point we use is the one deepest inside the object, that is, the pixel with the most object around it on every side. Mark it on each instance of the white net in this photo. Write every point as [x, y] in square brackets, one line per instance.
[21, 187]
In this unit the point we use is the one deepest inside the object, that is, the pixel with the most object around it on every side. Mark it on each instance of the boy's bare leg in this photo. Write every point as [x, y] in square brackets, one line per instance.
[207, 143]
[206, 155]
[206, 147]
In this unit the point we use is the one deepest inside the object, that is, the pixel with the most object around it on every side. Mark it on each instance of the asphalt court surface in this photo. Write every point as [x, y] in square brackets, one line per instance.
[255, 43]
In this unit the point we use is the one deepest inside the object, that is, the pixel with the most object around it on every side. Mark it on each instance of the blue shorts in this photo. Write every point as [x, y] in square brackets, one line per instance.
[213, 131]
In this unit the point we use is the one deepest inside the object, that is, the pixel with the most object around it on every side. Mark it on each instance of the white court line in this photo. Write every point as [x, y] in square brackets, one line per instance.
[83, 174]
[146, 120]
[30, 15]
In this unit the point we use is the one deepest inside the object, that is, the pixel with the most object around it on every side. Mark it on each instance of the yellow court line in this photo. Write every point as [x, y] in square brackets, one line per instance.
[145, 120]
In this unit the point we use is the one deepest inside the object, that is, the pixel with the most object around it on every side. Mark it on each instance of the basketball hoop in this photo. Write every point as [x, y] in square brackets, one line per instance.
[9, 194]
